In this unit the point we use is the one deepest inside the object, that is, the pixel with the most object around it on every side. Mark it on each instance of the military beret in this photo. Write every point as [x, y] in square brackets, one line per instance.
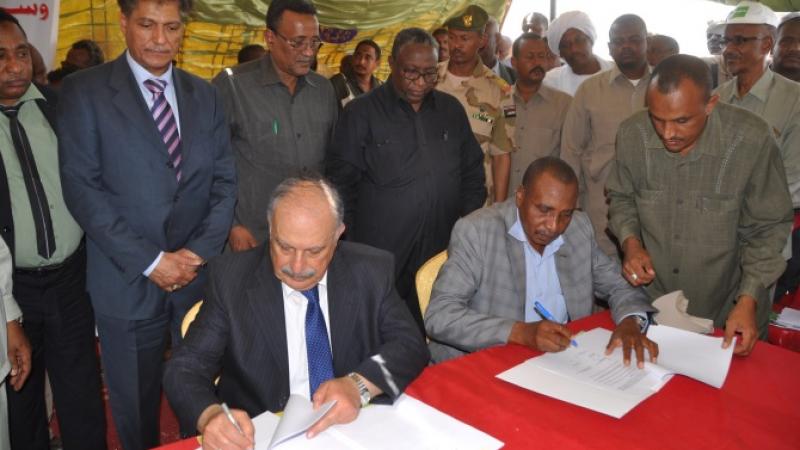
[473, 18]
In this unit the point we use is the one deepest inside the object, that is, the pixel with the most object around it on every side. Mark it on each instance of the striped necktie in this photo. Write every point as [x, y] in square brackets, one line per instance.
[318, 350]
[166, 123]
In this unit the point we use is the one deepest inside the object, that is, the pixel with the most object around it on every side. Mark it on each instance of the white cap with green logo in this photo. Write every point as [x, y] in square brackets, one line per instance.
[753, 13]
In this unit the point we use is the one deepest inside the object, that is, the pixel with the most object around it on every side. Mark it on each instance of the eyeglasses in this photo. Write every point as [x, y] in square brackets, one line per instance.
[430, 77]
[738, 41]
[300, 44]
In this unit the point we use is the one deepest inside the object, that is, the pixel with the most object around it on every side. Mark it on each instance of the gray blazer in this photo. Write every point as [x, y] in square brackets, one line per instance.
[480, 291]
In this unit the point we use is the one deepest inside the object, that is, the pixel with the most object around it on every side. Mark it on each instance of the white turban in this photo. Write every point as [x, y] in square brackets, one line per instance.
[570, 19]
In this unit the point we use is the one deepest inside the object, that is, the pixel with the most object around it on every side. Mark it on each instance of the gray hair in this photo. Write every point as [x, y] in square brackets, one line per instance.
[290, 185]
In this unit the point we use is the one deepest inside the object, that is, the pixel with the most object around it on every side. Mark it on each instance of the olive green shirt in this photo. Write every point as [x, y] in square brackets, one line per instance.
[534, 128]
[714, 221]
[44, 145]
[775, 99]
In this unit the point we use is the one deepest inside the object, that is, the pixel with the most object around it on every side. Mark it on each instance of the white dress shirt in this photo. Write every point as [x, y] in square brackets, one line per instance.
[141, 75]
[294, 312]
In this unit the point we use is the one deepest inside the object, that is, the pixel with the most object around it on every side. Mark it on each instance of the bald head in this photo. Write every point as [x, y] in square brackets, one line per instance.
[305, 222]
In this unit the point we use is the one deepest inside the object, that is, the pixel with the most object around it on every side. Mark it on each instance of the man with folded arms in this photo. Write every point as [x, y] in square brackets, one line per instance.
[303, 314]
[535, 248]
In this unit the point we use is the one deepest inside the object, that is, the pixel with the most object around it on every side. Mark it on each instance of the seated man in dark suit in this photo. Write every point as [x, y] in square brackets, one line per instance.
[267, 312]
[536, 248]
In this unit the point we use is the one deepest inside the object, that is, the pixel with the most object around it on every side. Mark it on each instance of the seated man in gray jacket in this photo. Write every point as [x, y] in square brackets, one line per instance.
[538, 250]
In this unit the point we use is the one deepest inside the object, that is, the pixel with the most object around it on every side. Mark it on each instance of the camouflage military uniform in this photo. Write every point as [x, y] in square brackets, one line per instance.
[481, 96]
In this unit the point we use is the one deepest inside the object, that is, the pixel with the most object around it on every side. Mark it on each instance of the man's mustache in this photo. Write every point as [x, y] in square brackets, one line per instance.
[304, 275]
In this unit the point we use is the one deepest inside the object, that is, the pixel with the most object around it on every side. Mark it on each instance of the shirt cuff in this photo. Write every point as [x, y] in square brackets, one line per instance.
[152, 266]
[752, 287]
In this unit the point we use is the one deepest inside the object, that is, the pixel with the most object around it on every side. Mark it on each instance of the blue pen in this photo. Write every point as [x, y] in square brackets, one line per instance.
[547, 316]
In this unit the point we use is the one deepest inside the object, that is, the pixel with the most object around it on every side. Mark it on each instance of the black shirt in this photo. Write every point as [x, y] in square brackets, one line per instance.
[405, 176]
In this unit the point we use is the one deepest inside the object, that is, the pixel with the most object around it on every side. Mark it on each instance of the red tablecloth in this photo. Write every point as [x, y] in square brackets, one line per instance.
[757, 408]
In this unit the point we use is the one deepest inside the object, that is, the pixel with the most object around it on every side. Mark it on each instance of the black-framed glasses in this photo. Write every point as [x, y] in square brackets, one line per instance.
[412, 75]
[738, 41]
[300, 44]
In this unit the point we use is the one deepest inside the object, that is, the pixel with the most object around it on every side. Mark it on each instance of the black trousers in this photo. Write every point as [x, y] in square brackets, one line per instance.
[59, 323]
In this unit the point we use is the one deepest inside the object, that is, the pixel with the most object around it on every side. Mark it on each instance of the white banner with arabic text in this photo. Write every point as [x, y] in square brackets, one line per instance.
[39, 19]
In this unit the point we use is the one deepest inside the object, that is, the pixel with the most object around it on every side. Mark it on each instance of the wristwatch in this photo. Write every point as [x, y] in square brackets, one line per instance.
[643, 323]
[363, 392]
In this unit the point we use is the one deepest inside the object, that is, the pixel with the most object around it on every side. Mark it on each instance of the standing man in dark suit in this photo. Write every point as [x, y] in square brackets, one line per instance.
[49, 261]
[310, 316]
[148, 173]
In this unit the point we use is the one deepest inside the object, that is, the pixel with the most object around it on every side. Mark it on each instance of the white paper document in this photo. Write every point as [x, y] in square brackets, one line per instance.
[408, 423]
[298, 417]
[586, 377]
[789, 318]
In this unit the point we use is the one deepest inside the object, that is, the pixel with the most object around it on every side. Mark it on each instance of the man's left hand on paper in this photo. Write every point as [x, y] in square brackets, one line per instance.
[742, 319]
[348, 403]
[629, 336]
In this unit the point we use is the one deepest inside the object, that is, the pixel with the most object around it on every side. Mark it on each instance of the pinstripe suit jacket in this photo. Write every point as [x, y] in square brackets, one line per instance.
[240, 332]
[480, 291]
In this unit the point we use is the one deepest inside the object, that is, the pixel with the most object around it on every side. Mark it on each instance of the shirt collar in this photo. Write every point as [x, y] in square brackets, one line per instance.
[760, 90]
[141, 74]
[394, 97]
[32, 93]
[615, 74]
[271, 75]
[517, 232]
[287, 291]
[544, 92]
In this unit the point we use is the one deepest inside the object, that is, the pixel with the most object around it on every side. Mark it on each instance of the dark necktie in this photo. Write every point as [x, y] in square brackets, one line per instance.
[45, 241]
[166, 123]
[318, 350]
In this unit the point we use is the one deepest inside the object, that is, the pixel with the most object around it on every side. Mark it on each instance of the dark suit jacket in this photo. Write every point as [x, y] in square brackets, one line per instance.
[241, 332]
[120, 187]
[48, 108]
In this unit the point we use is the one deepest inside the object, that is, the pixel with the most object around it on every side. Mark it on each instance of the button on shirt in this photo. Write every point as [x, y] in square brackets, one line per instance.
[274, 133]
[714, 221]
[294, 311]
[541, 277]
[534, 127]
[44, 144]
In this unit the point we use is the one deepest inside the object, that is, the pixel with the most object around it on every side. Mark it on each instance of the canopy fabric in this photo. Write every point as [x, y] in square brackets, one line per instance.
[775, 5]
[219, 28]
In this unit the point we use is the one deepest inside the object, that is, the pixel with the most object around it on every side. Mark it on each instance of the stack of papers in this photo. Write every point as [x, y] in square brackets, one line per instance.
[789, 318]
[408, 423]
[586, 377]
